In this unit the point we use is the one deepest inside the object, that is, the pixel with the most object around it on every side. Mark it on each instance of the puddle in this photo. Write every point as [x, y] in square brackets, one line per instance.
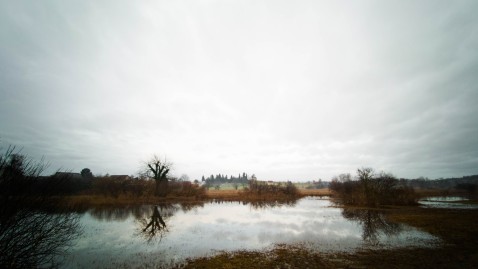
[452, 202]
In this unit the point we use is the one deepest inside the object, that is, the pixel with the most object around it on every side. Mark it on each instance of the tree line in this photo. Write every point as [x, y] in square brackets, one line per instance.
[221, 179]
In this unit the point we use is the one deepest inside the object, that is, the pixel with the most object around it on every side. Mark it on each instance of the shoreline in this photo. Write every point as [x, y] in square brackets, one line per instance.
[86, 200]
[89, 200]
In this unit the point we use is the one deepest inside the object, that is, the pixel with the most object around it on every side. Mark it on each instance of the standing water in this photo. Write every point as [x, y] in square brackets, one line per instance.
[168, 234]
[455, 202]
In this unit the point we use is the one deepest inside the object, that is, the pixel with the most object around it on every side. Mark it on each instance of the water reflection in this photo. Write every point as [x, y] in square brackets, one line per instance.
[193, 230]
[255, 205]
[373, 223]
[152, 227]
[267, 204]
[455, 202]
[138, 212]
[115, 213]
[151, 221]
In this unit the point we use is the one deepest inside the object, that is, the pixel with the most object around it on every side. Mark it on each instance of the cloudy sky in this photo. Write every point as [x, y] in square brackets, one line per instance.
[295, 90]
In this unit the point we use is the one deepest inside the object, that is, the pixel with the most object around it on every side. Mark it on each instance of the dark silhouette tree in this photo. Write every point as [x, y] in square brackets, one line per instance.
[86, 173]
[158, 169]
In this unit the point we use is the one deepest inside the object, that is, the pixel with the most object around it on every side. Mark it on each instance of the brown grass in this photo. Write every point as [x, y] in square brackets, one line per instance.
[282, 256]
[88, 200]
[241, 195]
[223, 194]
[315, 192]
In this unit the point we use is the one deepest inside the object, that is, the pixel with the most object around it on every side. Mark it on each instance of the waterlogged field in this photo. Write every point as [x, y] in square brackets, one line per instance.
[451, 202]
[166, 235]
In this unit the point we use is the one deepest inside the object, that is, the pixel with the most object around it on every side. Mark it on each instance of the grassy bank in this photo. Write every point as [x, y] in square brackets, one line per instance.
[457, 229]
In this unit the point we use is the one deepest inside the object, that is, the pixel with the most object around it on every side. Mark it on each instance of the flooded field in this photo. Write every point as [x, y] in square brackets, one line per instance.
[168, 234]
[452, 202]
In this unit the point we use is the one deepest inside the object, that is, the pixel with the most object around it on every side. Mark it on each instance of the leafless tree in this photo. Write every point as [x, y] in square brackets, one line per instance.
[31, 235]
[158, 169]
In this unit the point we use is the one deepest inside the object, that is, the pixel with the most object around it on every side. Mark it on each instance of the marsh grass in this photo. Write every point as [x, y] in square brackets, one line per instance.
[282, 256]
[83, 201]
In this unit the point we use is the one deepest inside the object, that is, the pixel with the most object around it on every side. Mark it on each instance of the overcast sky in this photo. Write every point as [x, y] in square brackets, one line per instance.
[296, 90]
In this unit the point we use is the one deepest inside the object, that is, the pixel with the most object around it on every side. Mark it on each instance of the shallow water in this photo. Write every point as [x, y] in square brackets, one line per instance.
[121, 237]
[455, 202]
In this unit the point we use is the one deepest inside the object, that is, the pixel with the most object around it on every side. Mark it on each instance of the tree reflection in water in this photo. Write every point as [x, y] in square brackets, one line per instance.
[154, 226]
[152, 220]
[373, 224]
[270, 204]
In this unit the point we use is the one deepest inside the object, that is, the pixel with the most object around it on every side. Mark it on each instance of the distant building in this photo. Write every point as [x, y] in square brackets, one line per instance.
[120, 177]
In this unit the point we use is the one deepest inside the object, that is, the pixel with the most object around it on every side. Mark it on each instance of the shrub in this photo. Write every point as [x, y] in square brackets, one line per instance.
[185, 188]
[372, 189]
[112, 186]
[261, 188]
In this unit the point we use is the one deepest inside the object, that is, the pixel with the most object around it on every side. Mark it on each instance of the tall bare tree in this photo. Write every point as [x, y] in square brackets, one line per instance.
[158, 169]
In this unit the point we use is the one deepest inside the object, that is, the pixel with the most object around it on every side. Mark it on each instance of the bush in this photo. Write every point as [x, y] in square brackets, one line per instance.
[372, 189]
[185, 188]
[112, 186]
[471, 189]
[261, 188]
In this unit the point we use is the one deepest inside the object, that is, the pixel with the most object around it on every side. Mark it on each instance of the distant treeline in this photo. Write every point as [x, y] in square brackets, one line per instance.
[221, 179]
[442, 183]
[74, 183]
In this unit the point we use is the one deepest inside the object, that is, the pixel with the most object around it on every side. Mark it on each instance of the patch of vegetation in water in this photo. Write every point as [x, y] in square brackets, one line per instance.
[282, 256]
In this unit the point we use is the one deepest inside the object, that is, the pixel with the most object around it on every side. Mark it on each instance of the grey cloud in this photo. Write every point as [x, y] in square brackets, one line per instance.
[284, 90]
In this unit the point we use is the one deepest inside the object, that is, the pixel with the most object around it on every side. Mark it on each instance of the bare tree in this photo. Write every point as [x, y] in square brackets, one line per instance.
[30, 236]
[372, 189]
[158, 169]
[184, 177]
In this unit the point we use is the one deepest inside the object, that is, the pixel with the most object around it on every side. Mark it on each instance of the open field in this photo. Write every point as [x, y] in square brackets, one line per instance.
[315, 192]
